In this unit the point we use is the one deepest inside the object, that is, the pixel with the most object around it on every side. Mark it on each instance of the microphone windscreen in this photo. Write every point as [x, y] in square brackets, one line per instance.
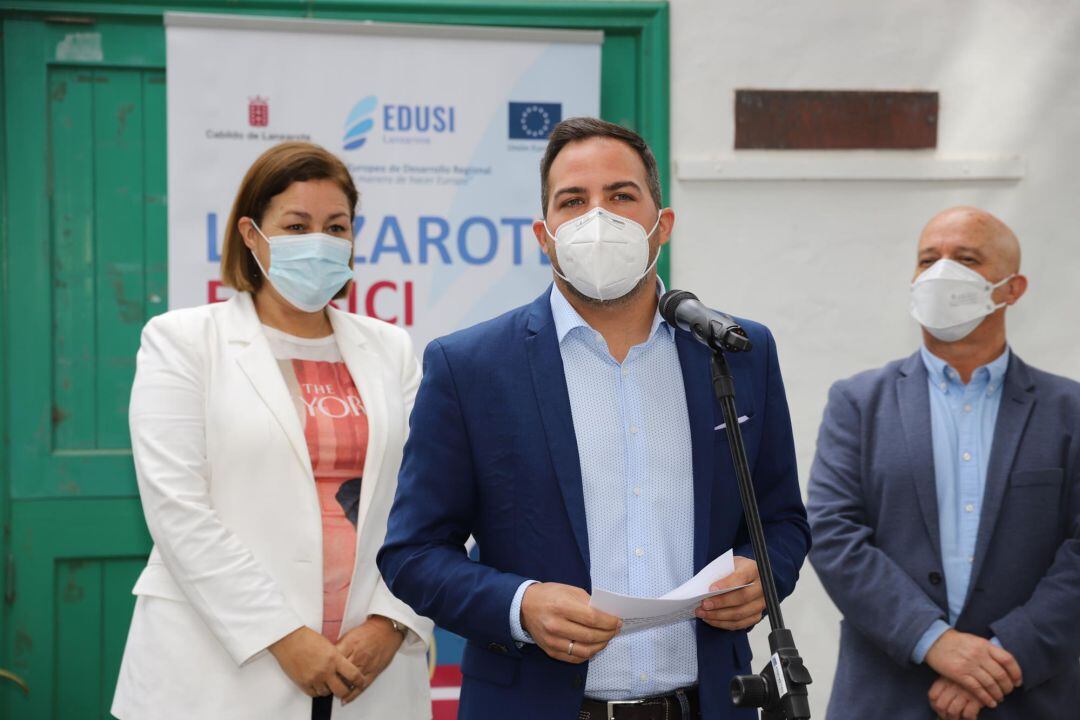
[669, 303]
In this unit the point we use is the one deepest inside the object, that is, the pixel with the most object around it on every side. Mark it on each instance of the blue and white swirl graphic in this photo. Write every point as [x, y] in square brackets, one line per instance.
[360, 122]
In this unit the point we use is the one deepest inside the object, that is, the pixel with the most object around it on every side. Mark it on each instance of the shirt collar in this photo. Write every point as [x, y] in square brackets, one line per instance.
[567, 318]
[936, 367]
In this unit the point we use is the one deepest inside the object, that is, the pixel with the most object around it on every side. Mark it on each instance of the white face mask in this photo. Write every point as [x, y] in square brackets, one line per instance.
[603, 255]
[950, 300]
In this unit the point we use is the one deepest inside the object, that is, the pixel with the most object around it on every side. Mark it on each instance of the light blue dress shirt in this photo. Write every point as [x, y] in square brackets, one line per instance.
[633, 437]
[962, 420]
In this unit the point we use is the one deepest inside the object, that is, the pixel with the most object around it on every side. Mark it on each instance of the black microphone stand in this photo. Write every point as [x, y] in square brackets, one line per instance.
[780, 688]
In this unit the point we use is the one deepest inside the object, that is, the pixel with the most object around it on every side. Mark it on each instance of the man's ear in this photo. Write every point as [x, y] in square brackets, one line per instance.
[540, 231]
[667, 224]
[1015, 289]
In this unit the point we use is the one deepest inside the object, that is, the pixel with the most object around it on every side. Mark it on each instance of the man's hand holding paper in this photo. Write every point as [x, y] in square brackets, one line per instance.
[740, 609]
[559, 619]
[720, 577]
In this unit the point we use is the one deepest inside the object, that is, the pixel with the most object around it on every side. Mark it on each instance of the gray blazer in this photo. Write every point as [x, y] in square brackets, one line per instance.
[874, 516]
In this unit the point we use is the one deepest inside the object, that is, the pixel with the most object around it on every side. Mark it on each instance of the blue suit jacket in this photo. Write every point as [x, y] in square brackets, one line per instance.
[873, 510]
[492, 453]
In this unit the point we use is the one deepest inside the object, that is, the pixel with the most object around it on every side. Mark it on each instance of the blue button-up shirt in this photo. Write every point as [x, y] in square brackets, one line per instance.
[633, 438]
[962, 420]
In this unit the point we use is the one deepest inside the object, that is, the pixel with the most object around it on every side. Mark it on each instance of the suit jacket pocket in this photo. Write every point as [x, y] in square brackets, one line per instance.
[489, 666]
[747, 426]
[1034, 478]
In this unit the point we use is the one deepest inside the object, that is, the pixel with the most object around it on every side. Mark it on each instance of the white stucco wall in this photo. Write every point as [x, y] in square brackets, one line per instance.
[827, 264]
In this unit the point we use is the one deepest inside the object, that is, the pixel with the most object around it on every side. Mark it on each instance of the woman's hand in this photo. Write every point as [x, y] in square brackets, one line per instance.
[371, 646]
[316, 666]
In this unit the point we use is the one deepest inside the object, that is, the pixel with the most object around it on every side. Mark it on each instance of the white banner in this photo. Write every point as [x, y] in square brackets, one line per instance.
[441, 127]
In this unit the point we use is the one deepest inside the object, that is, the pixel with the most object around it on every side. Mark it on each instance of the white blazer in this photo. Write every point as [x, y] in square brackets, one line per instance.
[230, 500]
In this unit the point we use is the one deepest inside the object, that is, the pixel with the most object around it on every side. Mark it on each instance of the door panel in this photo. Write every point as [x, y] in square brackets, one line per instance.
[93, 609]
[77, 562]
[104, 286]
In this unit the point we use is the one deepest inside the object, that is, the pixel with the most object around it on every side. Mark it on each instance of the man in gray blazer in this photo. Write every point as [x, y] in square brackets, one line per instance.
[944, 502]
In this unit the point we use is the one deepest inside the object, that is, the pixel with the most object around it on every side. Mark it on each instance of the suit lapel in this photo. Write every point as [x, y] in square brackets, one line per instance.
[549, 384]
[366, 371]
[913, 397]
[702, 412]
[1017, 402]
[256, 360]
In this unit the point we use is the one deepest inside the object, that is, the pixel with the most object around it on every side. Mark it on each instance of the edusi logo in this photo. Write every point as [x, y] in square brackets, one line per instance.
[359, 122]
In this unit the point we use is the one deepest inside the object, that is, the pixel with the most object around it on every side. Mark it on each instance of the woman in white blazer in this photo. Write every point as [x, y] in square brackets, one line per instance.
[267, 433]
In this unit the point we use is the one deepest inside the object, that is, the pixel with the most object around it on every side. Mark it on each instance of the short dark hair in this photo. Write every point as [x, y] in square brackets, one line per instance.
[582, 128]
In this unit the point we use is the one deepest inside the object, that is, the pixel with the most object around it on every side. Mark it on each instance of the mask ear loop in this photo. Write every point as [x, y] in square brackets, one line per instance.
[555, 240]
[547, 231]
[658, 249]
[995, 286]
[651, 265]
[655, 225]
[253, 255]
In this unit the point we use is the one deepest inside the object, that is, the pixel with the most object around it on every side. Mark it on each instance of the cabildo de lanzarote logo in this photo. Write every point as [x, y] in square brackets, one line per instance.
[258, 125]
[258, 111]
[401, 123]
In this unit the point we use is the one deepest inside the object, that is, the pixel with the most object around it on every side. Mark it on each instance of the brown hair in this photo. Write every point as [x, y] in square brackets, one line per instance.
[270, 175]
[582, 128]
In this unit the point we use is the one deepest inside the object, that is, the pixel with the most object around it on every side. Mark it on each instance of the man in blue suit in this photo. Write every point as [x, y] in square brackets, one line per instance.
[945, 505]
[577, 439]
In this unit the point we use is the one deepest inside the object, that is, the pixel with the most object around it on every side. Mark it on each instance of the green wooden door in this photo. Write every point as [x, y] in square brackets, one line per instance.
[85, 246]
[83, 266]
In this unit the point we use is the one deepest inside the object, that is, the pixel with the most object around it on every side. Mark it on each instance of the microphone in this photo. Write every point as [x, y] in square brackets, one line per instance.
[719, 331]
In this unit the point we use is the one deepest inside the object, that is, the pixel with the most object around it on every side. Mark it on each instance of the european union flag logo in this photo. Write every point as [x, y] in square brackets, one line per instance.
[533, 120]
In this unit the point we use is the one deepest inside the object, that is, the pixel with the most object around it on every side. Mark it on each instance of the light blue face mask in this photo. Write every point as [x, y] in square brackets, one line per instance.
[307, 270]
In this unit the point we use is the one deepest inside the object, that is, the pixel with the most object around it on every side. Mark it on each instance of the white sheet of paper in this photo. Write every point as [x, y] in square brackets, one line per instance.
[638, 613]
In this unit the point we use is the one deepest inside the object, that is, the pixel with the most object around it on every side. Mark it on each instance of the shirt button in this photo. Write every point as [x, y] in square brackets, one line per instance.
[633, 429]
[625, 371]
[942, 386]
[969, 508]
[971, 558]
[599, 338]
[637, 491]
[639, 552]
[966, 456]
[967, 408]
[643, 677]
